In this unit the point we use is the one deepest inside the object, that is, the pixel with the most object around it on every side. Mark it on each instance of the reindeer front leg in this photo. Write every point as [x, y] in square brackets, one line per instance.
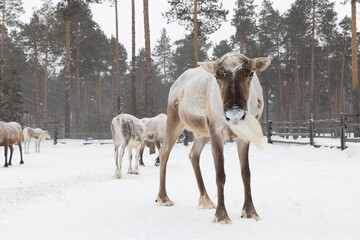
[5, 154]
[217, 147]
[11, 154]
[248, 210]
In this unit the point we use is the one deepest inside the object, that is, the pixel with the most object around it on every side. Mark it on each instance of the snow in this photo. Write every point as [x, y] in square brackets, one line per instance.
[69, 191]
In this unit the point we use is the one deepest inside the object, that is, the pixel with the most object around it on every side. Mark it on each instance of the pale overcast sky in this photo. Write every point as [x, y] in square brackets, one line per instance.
[104, 15]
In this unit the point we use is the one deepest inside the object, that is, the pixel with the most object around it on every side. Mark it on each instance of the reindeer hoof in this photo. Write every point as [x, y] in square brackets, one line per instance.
[222, 217]
[22, 162]
[206, 203]
[6, 165]
[157, 164]
[130, 172]
[250, 214]
[136, 173]
[165, 202]
[118, 174]
[222, 221]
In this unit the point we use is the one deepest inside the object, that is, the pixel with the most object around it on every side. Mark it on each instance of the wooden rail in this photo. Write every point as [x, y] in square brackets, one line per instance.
[323, 128]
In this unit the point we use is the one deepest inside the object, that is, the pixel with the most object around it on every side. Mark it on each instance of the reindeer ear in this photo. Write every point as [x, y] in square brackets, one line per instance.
[208, 66]
[260, 64]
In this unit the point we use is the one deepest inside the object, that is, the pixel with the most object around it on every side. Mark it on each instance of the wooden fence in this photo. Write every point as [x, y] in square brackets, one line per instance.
[57, 130]
[345, 128]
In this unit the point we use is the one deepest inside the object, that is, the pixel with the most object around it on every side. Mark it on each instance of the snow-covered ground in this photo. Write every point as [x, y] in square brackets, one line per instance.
[69, 191]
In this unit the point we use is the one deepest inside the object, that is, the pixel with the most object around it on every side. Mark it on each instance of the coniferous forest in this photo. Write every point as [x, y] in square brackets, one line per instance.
[62, 67]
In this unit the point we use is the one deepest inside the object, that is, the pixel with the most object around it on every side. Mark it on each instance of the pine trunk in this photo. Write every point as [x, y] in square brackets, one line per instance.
[241, 45]
[328, 78]
[355, 83]
[117, 60]
[341, 90]
[279, 76]
[46, 70]
[112, 91]
[2, 50]
[85, 99]
[287, 88]
[195, 34]
[165, 80]
[297, 86]
[148, 74]
[67, 78]
[77, 75]
[98, 95]
[133, 59]
[37, 104]
[336, 102]
[303, 94]
[312, 77]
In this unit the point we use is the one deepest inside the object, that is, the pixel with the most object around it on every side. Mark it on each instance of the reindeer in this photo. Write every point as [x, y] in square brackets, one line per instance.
[38, 134]
[220, 99]
[128, 132]
[10, 133]
[155, 132]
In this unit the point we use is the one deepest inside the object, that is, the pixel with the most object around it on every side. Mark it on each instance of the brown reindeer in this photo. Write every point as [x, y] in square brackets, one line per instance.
[219, 100]
[10, 134]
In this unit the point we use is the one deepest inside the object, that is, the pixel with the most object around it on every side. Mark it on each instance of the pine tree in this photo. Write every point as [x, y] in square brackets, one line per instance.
[133, 59]
[221, 48]
[327, 33]
[12, 108]
[244, 21]
[47, 18]
[163, 56]
[149, 98]
[200, 18]
[11, 10]
[210, 15]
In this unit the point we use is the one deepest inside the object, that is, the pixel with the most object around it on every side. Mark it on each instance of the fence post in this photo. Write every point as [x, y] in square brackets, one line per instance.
[269, 129]
[342, 131]
[311, 122]
[55, 135]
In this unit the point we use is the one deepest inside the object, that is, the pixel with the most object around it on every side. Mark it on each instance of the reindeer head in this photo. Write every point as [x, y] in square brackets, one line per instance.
[47, 135]
[234, 73]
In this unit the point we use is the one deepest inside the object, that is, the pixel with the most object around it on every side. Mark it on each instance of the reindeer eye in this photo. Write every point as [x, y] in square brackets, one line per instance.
[251, 74]
[222, 73]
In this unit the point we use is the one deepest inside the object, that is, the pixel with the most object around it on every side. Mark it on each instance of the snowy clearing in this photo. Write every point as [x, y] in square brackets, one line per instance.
[69, 191]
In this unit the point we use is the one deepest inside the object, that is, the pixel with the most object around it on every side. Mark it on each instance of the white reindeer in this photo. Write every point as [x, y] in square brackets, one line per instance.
[34, 133]
[155, 132]
[128, 132]
[220, 100]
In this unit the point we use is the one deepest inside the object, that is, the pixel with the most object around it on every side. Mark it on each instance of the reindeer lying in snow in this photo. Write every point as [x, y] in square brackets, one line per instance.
[34, 133]
[128, 132]
[10, 134]
[155, 132]
[220, 99]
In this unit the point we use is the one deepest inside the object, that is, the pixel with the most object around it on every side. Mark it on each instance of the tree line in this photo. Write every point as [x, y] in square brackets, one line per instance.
[61, 66]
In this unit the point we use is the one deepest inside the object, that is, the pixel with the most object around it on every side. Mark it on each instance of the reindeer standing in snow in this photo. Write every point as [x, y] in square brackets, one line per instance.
[220, 99]
[128, 132]
[155, 132]
[34, 133]
[10, 134]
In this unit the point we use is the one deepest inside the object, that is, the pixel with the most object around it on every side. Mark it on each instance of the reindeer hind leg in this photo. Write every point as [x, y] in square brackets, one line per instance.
[174, 127]
[204, 200]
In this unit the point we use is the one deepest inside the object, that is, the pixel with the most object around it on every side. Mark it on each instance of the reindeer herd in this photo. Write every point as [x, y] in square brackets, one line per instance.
[11, 133]
[219, 100]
